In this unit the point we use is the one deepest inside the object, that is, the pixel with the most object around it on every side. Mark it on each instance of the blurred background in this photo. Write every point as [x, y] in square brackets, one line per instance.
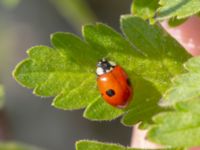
[32, 119]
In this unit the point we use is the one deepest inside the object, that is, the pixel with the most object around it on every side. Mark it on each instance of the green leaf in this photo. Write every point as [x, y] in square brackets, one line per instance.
[144, 8]
[186, 86]
[99, 110]
[16, 146]
[177, 8]
[179, 128]
[95, 145]
[162, 59]
[67, 71]
[1, 97]
[51, 73]
[182, 124]
[173, 22]
[192, 106]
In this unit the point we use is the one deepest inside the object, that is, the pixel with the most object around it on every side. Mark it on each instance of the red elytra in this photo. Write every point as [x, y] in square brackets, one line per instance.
[113, 84]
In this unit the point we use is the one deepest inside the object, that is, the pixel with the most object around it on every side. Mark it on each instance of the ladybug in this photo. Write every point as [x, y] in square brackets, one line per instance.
[113, 83]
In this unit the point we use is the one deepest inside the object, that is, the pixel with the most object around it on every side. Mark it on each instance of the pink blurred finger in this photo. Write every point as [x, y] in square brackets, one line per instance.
[187, 34]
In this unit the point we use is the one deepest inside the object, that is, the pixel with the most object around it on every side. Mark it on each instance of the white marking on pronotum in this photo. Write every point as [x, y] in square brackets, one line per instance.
[99, 71]
[112, 63]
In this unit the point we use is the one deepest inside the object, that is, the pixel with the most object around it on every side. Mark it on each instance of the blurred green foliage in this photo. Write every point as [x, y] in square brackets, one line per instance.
[10, 4]
[77, 11]
[16, 146]
[1, 97]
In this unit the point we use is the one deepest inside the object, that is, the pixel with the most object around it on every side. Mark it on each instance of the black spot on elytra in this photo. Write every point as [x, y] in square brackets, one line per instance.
[110, 92]
[128, 81]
